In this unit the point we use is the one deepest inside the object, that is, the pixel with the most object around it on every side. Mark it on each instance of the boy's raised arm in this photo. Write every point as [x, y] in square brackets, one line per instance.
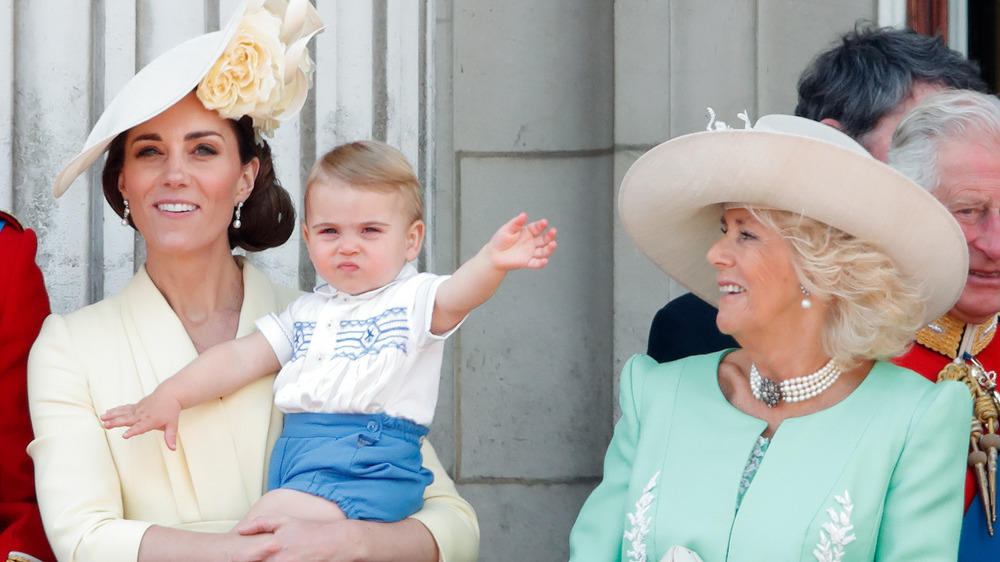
[516, 245]
[220, 370]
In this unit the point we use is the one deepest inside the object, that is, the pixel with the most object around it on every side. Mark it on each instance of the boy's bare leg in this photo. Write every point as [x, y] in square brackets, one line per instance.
[293, 503]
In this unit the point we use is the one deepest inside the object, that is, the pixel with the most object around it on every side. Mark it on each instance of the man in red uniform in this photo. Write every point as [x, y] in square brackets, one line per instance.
[950, 145]
[23, 305]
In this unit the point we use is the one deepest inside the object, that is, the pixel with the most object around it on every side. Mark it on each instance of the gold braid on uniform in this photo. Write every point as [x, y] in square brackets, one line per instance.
[945, 336]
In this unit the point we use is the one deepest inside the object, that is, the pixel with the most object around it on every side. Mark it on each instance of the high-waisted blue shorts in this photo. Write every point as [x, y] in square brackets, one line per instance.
[370, 465]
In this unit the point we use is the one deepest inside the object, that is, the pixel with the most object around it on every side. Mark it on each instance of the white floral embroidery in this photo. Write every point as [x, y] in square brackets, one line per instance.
[831, 548]
[640, 523]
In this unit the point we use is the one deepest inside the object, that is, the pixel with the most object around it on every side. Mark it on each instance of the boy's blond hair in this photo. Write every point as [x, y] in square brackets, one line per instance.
[369, 165]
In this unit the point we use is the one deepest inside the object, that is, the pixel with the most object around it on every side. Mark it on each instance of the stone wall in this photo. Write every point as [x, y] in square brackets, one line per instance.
[524, 105]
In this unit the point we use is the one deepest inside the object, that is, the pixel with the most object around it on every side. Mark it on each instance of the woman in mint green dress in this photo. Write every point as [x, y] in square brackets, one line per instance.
[804, 443]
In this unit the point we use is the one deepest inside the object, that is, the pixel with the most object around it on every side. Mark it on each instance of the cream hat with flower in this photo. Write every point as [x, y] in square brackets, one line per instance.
[257, 65]
[673, 196]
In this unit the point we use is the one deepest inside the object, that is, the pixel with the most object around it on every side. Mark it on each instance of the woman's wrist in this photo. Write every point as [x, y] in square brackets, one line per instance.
[347, 540]
[168, 544]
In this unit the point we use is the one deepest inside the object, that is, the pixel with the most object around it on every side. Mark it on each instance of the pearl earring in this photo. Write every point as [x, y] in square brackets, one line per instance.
[125, 214]
[237, 223]
[806, 303]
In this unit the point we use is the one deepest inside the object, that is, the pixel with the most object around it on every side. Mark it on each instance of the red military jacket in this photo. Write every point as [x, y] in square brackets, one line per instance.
[23, 305]
[929, 363]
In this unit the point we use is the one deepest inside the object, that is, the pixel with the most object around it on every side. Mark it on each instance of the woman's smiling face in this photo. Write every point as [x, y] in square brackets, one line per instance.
[757, 280]
[182, 177]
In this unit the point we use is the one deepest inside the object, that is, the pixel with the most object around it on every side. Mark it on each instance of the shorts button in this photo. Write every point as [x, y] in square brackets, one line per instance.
[372, 426]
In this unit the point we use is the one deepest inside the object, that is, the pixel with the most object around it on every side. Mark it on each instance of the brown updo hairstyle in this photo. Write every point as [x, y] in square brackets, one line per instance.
[268, 215]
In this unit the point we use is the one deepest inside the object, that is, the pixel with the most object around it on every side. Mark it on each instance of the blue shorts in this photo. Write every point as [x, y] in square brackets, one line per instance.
[370, 465]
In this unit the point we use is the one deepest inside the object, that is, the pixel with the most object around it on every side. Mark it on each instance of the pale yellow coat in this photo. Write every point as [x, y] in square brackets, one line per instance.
[99, 493]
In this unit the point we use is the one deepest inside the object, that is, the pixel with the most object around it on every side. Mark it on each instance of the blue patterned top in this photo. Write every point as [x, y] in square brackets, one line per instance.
[753, 463]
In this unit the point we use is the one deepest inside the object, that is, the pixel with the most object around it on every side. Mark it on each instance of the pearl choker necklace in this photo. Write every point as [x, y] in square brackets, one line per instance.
[793, 390]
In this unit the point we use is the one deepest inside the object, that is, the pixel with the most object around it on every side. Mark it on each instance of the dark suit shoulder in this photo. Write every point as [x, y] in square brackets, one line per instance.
[685, 326]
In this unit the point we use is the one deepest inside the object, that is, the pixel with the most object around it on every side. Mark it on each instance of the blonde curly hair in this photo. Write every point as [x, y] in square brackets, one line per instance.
[875, 310]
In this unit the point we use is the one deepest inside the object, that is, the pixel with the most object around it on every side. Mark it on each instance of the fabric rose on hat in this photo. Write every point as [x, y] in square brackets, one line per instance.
[264, 71]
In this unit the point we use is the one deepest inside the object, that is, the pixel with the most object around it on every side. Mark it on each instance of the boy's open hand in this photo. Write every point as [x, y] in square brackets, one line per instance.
[152, 412]
[519, 244]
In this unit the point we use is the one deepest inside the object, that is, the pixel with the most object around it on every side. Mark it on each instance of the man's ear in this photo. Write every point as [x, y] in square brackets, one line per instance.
[832, 123]
[414, 239]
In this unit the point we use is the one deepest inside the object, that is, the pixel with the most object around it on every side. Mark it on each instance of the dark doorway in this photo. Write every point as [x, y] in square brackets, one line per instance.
[983, 43]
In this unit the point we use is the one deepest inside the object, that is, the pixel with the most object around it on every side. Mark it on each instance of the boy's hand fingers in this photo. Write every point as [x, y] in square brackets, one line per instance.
[117, 412]
[118, 417]
[550, 236]
[115, 422]
[537, 227]
[545, 250]
[515, 224]
[138, 426]
[170, 436]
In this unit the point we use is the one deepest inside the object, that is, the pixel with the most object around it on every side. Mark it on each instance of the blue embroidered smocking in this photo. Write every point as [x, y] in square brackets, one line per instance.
[358, 338]
[368, 353]
[302, 338]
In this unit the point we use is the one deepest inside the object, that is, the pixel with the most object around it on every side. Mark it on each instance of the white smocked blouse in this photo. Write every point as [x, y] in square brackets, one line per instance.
[360, 354]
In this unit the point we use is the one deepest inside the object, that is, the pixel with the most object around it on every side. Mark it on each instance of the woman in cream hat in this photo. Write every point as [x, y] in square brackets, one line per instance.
[804, 443]
[188, 168]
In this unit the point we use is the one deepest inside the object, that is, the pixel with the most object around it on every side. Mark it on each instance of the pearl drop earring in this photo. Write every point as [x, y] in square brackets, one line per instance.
[806, 303]
[125, 214]
[237, 223]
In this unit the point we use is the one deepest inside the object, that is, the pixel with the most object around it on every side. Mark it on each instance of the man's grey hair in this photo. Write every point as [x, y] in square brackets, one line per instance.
[942, 118]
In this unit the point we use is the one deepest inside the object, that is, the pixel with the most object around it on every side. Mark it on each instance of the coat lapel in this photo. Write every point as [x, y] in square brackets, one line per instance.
[221, 445]
[706, 463]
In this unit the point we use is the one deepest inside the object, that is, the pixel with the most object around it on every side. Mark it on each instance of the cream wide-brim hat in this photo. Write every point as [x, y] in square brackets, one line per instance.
[672, 198]
[167, 79]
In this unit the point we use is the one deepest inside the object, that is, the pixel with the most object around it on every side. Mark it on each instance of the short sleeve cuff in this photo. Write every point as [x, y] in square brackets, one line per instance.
[424, 310]
[281, 341]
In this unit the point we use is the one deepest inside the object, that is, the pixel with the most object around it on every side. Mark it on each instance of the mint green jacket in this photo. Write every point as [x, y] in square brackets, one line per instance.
[878, 476]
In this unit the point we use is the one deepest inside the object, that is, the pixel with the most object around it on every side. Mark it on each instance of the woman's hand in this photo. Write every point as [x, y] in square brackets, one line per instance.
[347, 540]
[294, 539]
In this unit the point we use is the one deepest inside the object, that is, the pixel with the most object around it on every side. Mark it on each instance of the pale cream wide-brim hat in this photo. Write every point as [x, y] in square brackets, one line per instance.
[171, 76]
[672, 198]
